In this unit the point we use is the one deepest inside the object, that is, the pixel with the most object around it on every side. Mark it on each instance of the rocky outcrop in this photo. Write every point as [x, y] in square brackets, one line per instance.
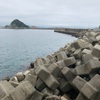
[17, 24]
[71, 73]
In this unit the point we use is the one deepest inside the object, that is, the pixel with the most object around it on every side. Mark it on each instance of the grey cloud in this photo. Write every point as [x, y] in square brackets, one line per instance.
[51, 12]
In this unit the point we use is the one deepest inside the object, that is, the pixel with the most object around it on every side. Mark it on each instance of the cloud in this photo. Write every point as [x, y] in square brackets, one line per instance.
[51, 12]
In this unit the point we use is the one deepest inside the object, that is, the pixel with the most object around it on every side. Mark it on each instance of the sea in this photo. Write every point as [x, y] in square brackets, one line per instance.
[20, 47]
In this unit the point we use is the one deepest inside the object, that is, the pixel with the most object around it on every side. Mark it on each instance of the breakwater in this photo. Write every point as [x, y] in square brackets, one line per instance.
[73, 32]
[71, 73]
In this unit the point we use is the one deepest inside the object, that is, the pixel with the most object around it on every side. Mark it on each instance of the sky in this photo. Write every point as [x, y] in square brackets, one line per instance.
[64, 13]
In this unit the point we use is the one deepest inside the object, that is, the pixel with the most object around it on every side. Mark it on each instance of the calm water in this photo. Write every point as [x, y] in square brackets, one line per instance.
[18, 48]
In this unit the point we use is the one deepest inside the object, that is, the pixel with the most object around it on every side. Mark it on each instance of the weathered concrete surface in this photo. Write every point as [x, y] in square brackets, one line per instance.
[71, 73]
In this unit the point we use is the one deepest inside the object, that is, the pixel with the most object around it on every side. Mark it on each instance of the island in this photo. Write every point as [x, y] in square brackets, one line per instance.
[17, 24]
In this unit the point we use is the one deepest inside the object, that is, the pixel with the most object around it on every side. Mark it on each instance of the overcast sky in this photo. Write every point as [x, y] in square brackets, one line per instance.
[51, 12]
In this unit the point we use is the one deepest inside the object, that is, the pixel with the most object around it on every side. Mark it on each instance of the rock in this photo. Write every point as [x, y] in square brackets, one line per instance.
[14, 78]
[20, 76]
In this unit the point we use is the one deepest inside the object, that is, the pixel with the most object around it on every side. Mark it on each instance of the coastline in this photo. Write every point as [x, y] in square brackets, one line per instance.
[72, 31]
[67, 73]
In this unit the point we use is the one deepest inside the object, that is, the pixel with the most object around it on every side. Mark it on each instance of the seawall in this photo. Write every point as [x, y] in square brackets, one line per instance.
[71, 73]
[71, 31]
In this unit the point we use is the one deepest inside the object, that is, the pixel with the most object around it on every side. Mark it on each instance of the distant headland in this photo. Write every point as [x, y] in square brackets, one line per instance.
[17, 24]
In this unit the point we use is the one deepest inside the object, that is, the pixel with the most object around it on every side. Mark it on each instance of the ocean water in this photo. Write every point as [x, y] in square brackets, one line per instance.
[18, 48]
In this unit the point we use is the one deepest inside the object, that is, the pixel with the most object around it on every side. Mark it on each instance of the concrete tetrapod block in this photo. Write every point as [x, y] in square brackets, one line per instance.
[81, 97]
[6, 98]
[49, 57]
[78, 53]
[26, 72]
[82, 70]
[78, 82]
[64, 85]
[54, 70]
[70, 61]
[61, 64]
[37, 96]
[62, 55]
[40, 61]
[96, 51]
[23, 91]
[5, 89]
[32, 71]
[14, 84]
[93, 40]
[53, 97]
[56, 92]
[86, 58]
[47, 92]
[78, 62]
[85, 38]
[51, 82]
[93, 65]
[78, 44]
[95, 82]
[42, 72]
[65, 97]
[89, 91]
[98, 38]
[31, 78]
[40, 85]
[90, 34]
[68, 74]
[86, 51]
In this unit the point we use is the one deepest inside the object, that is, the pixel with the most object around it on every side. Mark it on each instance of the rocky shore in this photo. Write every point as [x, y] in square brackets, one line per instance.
[71, 73]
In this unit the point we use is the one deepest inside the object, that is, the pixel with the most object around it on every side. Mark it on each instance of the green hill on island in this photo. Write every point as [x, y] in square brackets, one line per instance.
[17, 24]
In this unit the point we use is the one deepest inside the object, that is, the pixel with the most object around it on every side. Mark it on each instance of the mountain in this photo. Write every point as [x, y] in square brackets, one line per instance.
[17, 24]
